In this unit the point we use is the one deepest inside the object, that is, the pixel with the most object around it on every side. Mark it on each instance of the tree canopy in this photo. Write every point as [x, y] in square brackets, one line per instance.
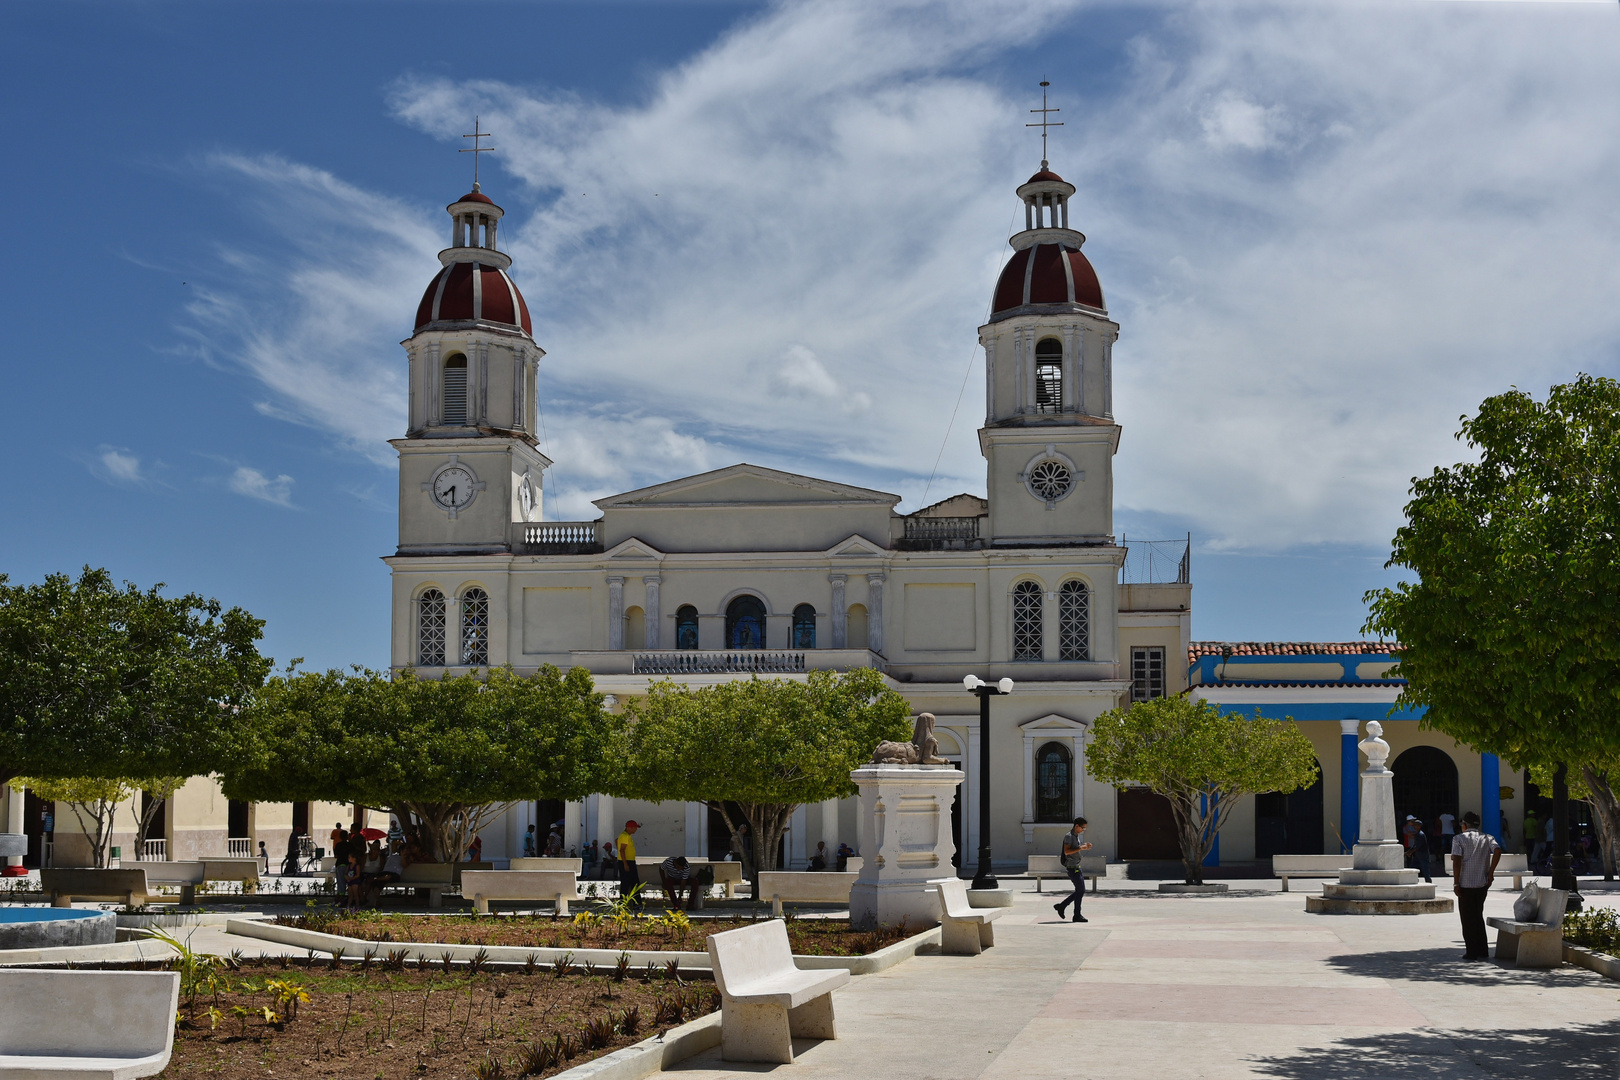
[98, 680]
[1201, 759]
[766, 746]
[1510, 637]
[439, 754]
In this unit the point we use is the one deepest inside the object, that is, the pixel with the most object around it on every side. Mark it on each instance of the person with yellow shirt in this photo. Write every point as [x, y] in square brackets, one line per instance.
[625, 849]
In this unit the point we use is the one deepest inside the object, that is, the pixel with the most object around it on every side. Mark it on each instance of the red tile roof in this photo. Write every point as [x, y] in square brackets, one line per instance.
[1197, 649]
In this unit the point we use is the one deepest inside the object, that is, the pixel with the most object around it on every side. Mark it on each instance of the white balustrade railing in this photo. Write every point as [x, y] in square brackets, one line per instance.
[239, 847]
[692, 662]
[554, 534]
[155, 851]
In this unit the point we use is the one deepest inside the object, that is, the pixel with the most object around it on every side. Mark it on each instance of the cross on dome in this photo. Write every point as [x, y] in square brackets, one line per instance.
[1045, 122]
[478, 134]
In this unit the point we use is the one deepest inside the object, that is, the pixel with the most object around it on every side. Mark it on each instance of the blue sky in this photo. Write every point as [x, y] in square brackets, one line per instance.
[767, 233]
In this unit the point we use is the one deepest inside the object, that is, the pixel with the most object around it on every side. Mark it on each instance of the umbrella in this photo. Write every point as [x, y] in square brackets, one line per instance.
[374, 834]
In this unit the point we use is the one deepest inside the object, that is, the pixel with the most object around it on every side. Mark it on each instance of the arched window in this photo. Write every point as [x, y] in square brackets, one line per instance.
[454, 411]
[686, 627]
[804, 627]
[1074, 621]
[635, 628]
[430, 629]
[855, 628]
[475, 628]
[1054, 783]
[1026, 626]
[745, 623]
[1048, 375]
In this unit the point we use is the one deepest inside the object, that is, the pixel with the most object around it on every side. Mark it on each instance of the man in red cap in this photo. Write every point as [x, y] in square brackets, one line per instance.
[626, 851]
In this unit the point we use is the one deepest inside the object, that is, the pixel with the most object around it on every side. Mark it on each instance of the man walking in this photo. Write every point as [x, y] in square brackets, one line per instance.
[1074, 843]
[1474, 856]
[626, 852]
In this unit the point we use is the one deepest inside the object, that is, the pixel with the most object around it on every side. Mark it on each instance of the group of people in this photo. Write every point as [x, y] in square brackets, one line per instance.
[361, 870]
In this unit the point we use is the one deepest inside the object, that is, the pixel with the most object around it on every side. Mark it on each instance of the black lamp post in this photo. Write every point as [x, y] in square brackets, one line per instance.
[985, 878]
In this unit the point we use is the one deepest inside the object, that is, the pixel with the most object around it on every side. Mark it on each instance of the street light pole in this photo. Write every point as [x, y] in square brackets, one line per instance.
[985, 878]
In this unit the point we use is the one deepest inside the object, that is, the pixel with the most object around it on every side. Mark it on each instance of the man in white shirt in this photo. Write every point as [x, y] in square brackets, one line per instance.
[1474, 856]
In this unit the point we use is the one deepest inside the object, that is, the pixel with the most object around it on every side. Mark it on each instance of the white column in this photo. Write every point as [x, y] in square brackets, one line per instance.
[695, 813]
[1072, 368]
[874, 612]
[615, 613]
[800, 829]
[1029, 786]
[840, 614]
[607, 830]
[573, 815]
[989, 344]
[655, 621]
[1077, 777]
[829, 826]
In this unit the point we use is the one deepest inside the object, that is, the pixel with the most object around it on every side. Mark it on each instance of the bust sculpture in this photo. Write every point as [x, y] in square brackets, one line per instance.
[1376, 749]
[923, 749]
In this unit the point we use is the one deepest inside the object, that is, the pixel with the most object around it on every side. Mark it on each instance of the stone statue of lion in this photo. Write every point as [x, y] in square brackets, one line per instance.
[923, 749]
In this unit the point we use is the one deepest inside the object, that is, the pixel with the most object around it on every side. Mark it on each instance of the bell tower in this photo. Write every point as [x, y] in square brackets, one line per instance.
[468, 466]
[1049, 434]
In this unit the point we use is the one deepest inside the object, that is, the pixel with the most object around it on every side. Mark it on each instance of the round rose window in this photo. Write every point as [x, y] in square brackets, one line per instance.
[1050, 480]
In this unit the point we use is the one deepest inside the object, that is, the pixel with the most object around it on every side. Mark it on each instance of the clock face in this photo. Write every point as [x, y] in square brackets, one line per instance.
[454, 487]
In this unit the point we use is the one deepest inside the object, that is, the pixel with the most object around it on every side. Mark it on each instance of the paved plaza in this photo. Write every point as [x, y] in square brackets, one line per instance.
[1247, 986]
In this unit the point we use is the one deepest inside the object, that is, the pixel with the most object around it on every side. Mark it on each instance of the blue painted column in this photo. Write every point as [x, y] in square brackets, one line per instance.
[1490, 795]
[1349, 784]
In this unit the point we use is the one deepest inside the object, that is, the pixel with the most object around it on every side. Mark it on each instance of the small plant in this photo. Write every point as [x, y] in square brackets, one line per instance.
[597, 1033]
[479, 962]
[672, 968]
[490, 1069]
[287, 996]
[446, 961]
[536, 1058]
[337, 960]
[396, 959]
[621, 968]
[563, 965]
[590, 969]
[531, 964]
[630, 1022]
[1597, 928]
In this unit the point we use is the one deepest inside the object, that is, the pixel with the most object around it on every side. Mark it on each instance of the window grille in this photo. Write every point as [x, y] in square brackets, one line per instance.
[430, 629]
[1049, 376]
[1049, 480]
[804, 627]
[455, 390]
[1147, 674]
[475, 628]
[1074, 621]
[1054, 793]
[686, 627]
[1027, 621]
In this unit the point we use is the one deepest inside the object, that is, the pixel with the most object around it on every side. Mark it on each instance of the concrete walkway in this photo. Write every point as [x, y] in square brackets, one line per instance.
[1197, 987]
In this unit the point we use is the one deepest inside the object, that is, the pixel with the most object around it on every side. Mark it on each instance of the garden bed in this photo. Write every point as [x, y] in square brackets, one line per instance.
[391, 1018]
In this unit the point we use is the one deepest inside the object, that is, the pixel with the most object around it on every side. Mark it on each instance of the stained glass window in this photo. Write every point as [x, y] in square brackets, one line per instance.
[1053, 789]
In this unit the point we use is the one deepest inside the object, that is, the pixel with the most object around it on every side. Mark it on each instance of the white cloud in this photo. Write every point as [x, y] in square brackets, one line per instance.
[255, 485]
[119, 465]
[1326, 229]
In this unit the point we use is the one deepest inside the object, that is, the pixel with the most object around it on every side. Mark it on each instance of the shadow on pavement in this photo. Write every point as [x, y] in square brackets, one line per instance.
[1590, 1051]
[1448, 966]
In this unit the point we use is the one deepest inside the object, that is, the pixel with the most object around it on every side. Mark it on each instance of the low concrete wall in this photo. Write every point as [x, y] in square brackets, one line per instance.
[1602, 963]
[56, 928]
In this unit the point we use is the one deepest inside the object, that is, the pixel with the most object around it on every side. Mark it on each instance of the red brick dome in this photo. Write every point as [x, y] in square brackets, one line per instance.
[1047, 274]
[473, 292]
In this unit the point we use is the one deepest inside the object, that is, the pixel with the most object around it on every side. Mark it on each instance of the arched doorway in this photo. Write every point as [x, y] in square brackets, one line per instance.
[745, 623]
[1289, 824]
[1425, 786]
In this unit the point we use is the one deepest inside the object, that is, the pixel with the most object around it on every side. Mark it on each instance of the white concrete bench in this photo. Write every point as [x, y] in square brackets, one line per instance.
[86, 1025]
[187, 875]
[430, 878]
[726, 874]
[482, 886]
[766, 1001]
[1309, 866]
[804, 887]
[541, 862]
[232, 869]
[1538, 944]
[1518, 866]
[126, 885]
[1042, 867]
[964, 930]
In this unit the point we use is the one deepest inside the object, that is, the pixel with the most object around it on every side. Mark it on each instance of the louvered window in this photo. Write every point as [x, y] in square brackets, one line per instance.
[455, 390]
[1049, 376]
[1027, 621]
[1147, 674]
[475, 628]
[430, 629]
[1074, 621]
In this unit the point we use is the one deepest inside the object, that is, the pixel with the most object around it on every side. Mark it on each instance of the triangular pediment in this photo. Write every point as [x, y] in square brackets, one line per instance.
[747, 485]
[1053, 724]
[855, 545]
[633, 549]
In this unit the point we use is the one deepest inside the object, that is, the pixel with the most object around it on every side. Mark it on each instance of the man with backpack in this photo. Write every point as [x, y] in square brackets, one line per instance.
[1074, 846]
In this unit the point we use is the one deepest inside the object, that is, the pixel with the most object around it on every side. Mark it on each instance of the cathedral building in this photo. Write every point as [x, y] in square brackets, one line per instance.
[752, 571]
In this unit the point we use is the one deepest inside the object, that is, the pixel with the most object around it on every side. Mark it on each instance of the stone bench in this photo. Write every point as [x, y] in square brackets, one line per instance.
[765, 1000]
[1518, 866]
[188, 875]
[1042, 867]
[86, 1025]
[429, 878]
[482, 886]
[804, 887]
[1538, 944]
[1310, 866]
[726, 874]
[964, 930]
[245, 871]
[127, 885]
[542, 862]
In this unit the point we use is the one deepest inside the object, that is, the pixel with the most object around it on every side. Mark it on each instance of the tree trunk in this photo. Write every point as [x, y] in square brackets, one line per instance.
[1194, 836]
[766, 824]
[102, 812]
[147, 814]
[1607, 807]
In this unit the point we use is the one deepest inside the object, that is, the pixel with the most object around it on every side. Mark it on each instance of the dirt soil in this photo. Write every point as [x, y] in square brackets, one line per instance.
[390, 1021]
[807, 937]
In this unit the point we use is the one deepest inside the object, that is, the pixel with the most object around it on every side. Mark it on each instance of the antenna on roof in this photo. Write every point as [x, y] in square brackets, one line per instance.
[1046, 120]
[478, 135]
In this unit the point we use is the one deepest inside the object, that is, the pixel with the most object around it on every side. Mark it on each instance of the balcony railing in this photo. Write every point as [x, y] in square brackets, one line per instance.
[1156, 562]
[155, 851]
[557, 537]
[692, 662]
[239, 847]
[931, 533]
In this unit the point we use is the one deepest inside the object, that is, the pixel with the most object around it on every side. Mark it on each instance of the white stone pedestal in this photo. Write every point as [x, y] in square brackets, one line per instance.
[907, 843]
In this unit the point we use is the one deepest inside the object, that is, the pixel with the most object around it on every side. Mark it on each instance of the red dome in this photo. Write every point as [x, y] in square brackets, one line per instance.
[1047, 274]
[1045, 174]
[473, 292]
[475, 196]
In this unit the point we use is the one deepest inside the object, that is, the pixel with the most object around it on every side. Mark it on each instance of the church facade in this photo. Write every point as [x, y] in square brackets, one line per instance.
[753, 571]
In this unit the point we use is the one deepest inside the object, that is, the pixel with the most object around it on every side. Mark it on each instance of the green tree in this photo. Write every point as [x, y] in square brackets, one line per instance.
[98, 680]
[159, 790]
[1202, 760]
[1595, 782]
[758, 749]
[442, 755]
[1510, 637]
[94, 803]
